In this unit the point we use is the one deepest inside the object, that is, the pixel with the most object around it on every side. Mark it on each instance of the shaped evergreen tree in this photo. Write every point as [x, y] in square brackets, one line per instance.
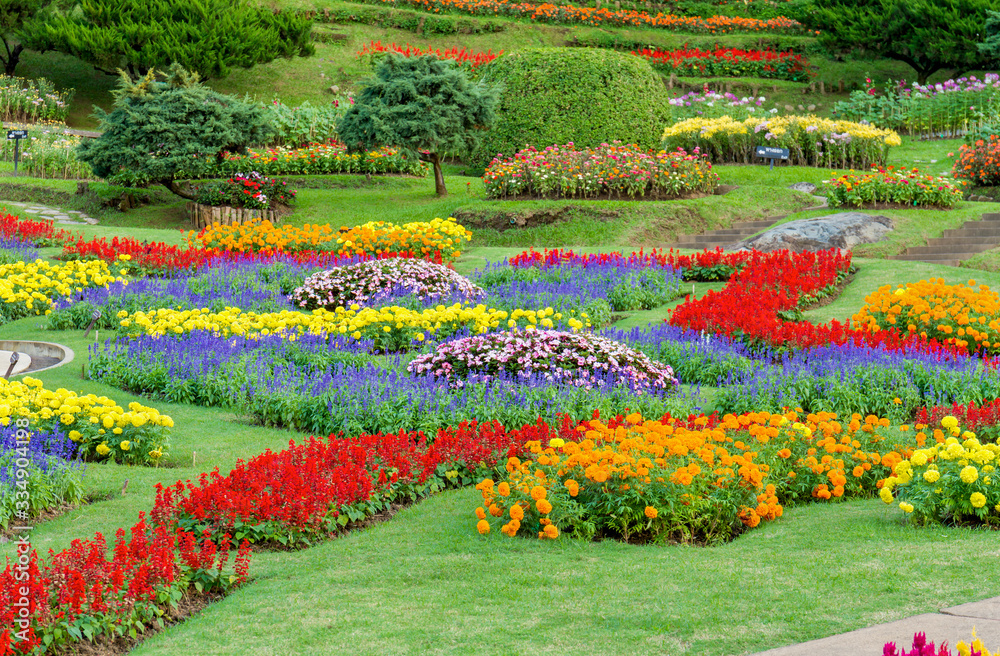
[204, 36]
[423, 105]
[164, 130]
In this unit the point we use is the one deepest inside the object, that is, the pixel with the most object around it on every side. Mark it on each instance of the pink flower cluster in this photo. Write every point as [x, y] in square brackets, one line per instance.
[579, 359]
[382, 281]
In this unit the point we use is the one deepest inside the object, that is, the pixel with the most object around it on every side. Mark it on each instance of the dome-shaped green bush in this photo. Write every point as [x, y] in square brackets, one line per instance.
[582, 95]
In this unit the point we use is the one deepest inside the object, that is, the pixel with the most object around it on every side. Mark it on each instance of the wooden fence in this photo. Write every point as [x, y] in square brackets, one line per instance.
[205, 215]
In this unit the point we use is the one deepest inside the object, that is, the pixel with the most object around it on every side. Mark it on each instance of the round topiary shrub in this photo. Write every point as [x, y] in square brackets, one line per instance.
[587, 96]
[381, 282]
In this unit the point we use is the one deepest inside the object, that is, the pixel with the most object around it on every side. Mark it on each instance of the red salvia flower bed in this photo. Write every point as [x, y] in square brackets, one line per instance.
[730, 62]
[157, 258]
[464, 58]
[40, 232]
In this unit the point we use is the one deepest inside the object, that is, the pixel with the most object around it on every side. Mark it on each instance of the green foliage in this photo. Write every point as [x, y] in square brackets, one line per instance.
[928, 35]
[402, 19]
[205, 36]
[584, 96]
[990, 47]
[421, 104]
[159, 128]
[13, 16]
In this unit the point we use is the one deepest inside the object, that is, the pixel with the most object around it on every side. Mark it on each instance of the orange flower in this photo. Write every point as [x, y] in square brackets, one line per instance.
[483, 527]
[651, 512]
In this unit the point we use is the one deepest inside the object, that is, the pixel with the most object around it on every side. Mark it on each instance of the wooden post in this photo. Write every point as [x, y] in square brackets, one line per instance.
[812, 87]
[822, 88]
[840, 86]
[672, 82]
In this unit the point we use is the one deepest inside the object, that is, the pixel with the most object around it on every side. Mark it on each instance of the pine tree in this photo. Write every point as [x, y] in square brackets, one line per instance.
[423, 105]
[13, 15]
[929, 35]
[165, 127]
[205, 36]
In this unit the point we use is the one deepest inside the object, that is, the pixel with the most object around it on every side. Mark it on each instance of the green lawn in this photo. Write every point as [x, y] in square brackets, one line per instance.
[426, 582]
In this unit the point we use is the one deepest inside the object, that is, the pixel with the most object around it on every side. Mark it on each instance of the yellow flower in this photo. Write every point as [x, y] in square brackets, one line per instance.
[125, 445]
[906, 507]
[977, 499]
[102, 449]
[75, 435]
[969, 474]
[932, 475]
[949, 422]
[886, 495]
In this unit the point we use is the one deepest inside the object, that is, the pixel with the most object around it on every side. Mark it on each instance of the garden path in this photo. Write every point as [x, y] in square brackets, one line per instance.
[61, 217]
[952, 624]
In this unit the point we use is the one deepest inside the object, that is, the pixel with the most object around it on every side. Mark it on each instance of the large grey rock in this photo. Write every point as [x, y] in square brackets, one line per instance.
[807, 187]
[842, 230]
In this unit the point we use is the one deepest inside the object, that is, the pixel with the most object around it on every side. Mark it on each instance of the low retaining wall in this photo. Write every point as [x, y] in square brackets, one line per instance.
[205, 215]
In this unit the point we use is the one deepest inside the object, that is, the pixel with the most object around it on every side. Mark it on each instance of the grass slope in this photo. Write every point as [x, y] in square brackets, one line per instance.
[309, 79]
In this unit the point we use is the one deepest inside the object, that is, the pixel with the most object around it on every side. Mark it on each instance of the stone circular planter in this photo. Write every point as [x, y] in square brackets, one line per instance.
[33, 356]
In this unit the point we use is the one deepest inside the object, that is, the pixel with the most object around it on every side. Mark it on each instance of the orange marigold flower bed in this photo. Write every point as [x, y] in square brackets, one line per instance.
[965, 315]
[703, 480]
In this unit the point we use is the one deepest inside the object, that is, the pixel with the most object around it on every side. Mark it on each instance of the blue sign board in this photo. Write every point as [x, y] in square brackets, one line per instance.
[767, 152]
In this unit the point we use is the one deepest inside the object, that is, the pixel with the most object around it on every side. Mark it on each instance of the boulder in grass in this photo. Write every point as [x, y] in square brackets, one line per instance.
[807, 187]
[843, 230]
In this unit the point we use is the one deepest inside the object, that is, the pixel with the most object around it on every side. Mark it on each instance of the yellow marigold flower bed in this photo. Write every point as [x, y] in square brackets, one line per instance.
[953, 481]
[28, 288]
[103, 429]
[392, 327]
[422, 238]
[811, 141]
[965, 315]
[702, 481]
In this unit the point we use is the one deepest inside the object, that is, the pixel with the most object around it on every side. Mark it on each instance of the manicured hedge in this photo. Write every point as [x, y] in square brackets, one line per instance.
[563, 95]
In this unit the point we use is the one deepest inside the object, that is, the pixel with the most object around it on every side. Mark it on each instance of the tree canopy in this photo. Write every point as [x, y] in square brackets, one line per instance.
[208, 37]
[928, 35]
[423, 105]
[165, 127]
[13, 15]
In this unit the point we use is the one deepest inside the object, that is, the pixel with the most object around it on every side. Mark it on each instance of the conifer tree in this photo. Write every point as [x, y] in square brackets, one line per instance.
[929, 35]
[13, 15]
[164, 128]
[423, 105]
[207, 37]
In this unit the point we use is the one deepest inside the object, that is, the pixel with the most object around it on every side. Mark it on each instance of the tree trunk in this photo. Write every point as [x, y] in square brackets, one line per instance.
[438, 175]
[13, 58]
[183, 192]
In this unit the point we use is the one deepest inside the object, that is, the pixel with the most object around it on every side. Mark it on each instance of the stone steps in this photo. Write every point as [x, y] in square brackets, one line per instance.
[725, 237]
[957, 244]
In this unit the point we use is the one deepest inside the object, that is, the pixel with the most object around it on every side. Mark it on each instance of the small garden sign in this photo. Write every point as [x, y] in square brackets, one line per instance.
[767, 152]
